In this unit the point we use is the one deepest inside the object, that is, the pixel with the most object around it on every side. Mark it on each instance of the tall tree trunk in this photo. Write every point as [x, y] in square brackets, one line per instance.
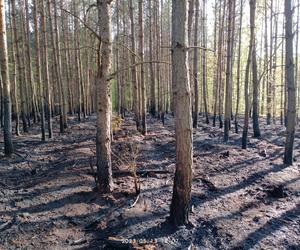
[228, 96]
[142, 82]
[204, 61]
[290, 79]
[270, 83]
[266, 58]
[163, 66]
[82, 84]
[220, 64]
[29, 62]
[65, 34]
[14, 78]
[21, 77]
[195, 67]
[255, 89]
[77, 62]
[239, 69]
[171, 105]
[158, 45]
[103, 140]
[1, 104]
[57, 67]
[274, 65]
[45, 64]
[247, 76]
[297, 80]
[124, 61]
[191, 10]
[38, 68]
[28, 87]
[191, 4]
[216, 60]
[7, 129]
[119, 85]
[135, 84]
[151, 65]
[282, 82]
[180, 206]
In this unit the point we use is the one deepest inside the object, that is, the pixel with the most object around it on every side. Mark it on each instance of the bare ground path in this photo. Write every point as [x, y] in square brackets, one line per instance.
[47, 199]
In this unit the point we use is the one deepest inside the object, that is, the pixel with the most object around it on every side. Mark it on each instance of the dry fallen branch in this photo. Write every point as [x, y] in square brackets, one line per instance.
[123, 173]
[98, 219]
[78, 242]
[135, 202]
[5, 225]
[209, 184]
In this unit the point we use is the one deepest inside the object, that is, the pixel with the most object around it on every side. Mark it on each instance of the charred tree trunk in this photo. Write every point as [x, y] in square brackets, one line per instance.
[282, 81]
[269, 79]
[216, 60]
[45, 64]
[103, 139]
[220, 63]
[151, 65]
[195, 67]
[142, 73]
[21, 76]
[135, 87]
[65, 34]
[290, 79]
[255, 111]
[29, 63]
[180, 206]
[204, 62]
[7, 129]
[228, 97]
[14, 79]
[238, 70]
[61, 90]
[247, 76]
[77, 63]
[38, 69]
[57, 66]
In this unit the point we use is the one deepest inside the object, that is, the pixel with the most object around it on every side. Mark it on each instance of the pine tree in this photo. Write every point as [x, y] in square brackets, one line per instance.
[7, 129]
[180, 206]
[103, 139]
[290, 79]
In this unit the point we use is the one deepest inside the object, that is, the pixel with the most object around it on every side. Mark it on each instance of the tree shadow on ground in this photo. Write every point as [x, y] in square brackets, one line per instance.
[270, 227]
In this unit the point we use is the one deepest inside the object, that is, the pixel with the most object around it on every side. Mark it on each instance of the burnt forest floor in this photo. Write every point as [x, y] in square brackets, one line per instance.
[47, 197]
